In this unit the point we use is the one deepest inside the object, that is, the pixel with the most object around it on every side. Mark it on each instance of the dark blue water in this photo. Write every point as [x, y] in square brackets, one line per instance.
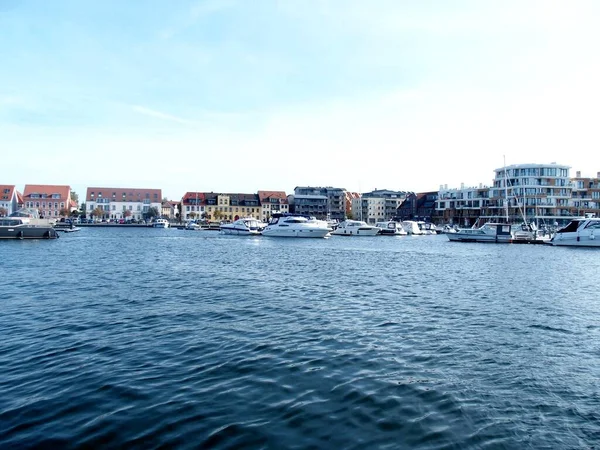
[144, 338]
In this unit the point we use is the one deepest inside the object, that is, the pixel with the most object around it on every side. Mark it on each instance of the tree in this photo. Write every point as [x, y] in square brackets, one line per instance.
[97, 212]
[151, 213]
[74, 196]
[3, 212]
[217, 214]
[64, 212]
[126, 213]
[192, 215]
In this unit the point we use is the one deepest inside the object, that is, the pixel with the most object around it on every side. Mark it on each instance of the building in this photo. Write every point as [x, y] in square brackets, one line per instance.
[193, 205]
[378, 205]
[51, 201]
[321, 202]
[122, 203]
[585, 195]
[462, 206]
[9, 199]
[272, 202]
[420, 206]
[349, 197]
[170, 209]
[526, 192]
[220, 206]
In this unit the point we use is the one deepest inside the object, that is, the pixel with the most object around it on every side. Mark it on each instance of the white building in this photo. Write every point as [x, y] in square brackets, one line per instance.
[122, 203]
[9, 198]
[377, 206]
[538, 192]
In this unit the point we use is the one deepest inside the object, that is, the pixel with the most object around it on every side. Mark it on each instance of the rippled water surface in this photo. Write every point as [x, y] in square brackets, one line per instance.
[147, 338]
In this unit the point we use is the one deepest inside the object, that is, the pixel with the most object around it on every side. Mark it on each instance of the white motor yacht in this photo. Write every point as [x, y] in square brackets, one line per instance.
[390, 228]
[355, 228]
[426, 227]
[245, 226]
[580, 232]
[294, 225]
[411, 227]
[489, 232]
[193, 225]
[160, 223]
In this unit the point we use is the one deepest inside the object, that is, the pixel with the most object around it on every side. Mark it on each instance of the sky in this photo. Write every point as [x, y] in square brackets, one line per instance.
[241, 96]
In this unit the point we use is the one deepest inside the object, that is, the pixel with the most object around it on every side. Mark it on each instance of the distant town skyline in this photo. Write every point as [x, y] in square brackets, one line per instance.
[237, 96]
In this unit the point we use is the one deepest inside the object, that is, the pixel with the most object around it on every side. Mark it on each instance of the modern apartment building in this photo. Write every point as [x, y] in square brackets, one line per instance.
[122, 203]
[378, 205]
[9, 199]
[528, 192]
[52, 201]
[585, 195]
[321, 202]
[462, 206]
[418, 206]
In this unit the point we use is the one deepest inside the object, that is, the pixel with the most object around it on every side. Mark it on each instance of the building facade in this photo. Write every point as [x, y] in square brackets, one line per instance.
[170, 210]
[462, 207]
[122, 203]
[526, 192]
[51, 201]
[321, 202]
[272, 202]
[418, 206]
[9, 199]
[378, 205]
[219, 206]
[585, 195]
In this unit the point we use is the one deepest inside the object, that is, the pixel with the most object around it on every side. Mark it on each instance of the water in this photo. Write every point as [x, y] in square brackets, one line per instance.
[147, 338]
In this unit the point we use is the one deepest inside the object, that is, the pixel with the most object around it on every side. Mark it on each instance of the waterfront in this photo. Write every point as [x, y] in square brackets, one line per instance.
[143, 338]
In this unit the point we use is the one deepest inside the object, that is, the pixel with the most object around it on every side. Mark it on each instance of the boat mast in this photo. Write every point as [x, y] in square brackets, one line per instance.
[505, 189]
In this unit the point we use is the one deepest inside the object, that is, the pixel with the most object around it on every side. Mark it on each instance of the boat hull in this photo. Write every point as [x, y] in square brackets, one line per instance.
[575, 241]
[28, 232]
[304, 233]
[357, 232]
[239, 231]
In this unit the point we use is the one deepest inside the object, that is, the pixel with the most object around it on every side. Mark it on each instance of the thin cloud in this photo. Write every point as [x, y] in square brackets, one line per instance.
[160, 115]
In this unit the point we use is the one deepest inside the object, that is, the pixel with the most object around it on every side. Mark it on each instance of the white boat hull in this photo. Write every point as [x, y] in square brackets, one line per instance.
[239, 232]
[305, 233]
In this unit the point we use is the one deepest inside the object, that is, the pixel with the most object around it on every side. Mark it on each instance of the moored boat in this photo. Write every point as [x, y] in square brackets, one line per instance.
[355, 228]
[160, 223]
[489, 232]
[295, 225]
[26, 224]
[390, 228]
[580, 232]
[242, 227]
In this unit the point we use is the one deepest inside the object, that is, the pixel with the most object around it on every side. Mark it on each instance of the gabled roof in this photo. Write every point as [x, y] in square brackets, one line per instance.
[48, 189]
[8, 195]
[267, 195]
[123, 194]
[193, 196]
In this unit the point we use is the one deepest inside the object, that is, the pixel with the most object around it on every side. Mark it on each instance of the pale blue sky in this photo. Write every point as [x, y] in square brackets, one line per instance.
[240, 95]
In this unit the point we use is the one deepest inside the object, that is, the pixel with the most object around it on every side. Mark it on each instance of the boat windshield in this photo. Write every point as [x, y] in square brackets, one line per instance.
[571, 227]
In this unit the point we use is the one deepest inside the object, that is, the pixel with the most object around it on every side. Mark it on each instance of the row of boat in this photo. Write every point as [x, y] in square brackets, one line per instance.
[580, 232]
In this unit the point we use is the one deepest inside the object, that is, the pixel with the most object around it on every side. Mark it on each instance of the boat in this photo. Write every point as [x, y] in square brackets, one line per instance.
[488, 232]
[160, 223]
[412, 227]
[193, 225]
[580, 232]
[244, 227]
[427, 227]
[529, 233]
[295, 225]
[26, 224]
[390, 228]
[355, 228]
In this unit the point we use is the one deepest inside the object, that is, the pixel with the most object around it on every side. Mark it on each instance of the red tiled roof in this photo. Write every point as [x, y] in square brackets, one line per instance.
[48, 189]
[123, 194]
[9, 194]
[264, 195]
[193, 195]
